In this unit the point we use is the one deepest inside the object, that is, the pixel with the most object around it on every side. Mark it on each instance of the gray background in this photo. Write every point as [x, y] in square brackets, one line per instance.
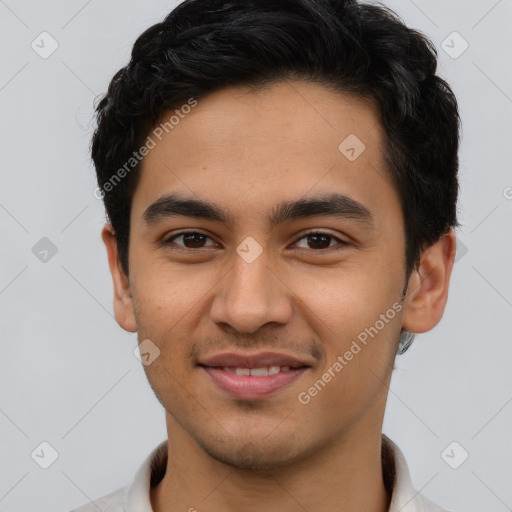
[68, 374]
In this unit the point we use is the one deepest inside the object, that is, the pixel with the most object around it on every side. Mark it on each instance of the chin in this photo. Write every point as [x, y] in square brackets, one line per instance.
[250, 454]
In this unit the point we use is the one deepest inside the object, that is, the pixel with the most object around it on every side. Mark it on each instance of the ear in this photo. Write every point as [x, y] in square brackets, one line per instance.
[123, 301]
[427, 290]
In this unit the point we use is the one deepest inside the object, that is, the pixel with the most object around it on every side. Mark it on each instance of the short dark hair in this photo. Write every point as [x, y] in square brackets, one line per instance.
[347, 46]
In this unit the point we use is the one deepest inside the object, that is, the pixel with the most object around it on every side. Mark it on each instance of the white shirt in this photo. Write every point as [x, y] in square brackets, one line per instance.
[135, 497]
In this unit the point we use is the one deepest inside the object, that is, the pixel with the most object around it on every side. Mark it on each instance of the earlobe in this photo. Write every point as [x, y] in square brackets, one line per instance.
[428, 286]
[123, 301]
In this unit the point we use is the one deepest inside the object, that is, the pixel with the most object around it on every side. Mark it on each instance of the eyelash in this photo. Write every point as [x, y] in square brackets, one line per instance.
[342, 244]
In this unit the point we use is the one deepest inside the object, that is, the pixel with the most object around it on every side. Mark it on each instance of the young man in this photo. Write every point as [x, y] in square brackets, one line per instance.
[280, 179]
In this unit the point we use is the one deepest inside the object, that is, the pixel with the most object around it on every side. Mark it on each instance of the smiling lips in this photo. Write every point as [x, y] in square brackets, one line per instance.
[253, 376]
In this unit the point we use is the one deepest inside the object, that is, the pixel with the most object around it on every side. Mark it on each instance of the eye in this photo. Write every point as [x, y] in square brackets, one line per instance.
[316, 240]
[319, 240]
[190, 239]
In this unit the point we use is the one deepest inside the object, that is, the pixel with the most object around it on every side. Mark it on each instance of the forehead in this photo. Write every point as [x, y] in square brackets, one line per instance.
[249, 150]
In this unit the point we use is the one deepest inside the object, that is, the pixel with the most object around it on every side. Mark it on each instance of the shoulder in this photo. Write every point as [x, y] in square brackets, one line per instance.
[423, 504]
[113, 502]
[404, 497]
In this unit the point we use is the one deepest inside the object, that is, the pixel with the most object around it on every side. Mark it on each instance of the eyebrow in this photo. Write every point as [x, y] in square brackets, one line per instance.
[332, 205]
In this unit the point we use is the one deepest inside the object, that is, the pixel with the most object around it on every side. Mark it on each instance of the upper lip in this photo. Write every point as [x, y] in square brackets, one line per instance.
[257, 360]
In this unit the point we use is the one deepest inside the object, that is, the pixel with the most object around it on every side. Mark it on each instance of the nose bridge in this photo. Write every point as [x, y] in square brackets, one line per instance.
[250, 295]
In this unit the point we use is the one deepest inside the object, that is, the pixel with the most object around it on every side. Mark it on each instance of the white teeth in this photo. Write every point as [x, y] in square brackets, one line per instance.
[257, 372]
[273, 370]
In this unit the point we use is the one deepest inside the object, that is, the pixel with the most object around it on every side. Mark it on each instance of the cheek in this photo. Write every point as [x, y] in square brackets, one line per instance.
[165, 292]
[360, 347]
[357, 318]
[170, 303]
[345, 300]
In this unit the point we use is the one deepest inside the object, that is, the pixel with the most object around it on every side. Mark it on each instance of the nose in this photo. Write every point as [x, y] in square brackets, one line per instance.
[250, 296]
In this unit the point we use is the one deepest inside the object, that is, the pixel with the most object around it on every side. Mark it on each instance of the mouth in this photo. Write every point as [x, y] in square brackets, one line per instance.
[252, 376]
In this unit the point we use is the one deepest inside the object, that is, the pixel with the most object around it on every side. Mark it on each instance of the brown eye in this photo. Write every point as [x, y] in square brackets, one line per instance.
[320, 241]
[190, 239]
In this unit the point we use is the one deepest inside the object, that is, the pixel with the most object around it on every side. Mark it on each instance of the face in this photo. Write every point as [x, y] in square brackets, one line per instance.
[301, 254]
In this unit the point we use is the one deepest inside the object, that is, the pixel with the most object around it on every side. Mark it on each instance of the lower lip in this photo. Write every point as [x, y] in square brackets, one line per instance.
[248, 386]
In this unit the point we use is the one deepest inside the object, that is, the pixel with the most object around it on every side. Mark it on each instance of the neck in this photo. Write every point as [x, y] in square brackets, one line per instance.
[345, 475]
